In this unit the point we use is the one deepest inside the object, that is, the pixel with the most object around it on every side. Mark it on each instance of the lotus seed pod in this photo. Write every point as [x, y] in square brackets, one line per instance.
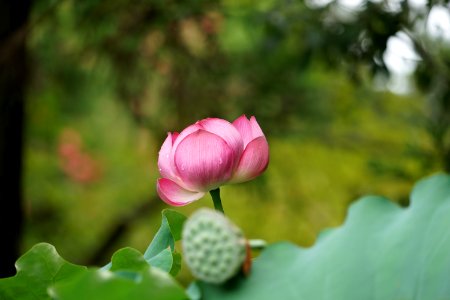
[214, 248]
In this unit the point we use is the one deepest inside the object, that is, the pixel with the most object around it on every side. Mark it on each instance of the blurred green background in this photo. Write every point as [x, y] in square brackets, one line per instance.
[109, 79]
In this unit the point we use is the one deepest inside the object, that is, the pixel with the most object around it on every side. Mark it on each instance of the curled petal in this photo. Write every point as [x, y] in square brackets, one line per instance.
[227, 132]
[242, 124]
[175, 195]
[164, 164]
[204, 161]
[256, 130]
[253, 161]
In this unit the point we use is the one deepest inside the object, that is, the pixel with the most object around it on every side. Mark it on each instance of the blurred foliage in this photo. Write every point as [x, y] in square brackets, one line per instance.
[110, 78]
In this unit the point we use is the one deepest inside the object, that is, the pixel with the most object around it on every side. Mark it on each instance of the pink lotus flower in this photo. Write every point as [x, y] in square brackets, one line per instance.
[208, 154]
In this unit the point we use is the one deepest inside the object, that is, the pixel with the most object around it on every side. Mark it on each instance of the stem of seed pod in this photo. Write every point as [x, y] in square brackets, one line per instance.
[215, 195]
[257, 244]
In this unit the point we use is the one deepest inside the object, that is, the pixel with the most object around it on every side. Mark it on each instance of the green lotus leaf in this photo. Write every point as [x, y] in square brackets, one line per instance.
[40, 267]
[382, 252]
[161, 251]
[168, 233]
[130, 277]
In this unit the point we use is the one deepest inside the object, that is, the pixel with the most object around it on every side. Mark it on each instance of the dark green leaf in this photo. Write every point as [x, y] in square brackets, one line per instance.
[37, 269]
[160, 253]
[168, 233]
[163, 260]
[176, 265]
[130, 277]
[128, 259]
[149, 283]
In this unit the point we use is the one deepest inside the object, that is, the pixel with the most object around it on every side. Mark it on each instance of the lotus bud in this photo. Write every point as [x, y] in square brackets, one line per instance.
[210, 153]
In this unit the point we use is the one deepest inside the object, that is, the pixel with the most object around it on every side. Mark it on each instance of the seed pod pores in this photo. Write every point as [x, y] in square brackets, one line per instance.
[214, 248]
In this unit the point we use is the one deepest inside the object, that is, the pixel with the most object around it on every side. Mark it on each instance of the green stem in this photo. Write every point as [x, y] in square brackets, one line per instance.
[215, 195]
[257, 244]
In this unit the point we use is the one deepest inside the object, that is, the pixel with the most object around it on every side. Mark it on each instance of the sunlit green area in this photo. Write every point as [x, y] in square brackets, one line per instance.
[109, 80]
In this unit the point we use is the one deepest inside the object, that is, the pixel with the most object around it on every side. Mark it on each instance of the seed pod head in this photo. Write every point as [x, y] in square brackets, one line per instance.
[214, 248]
